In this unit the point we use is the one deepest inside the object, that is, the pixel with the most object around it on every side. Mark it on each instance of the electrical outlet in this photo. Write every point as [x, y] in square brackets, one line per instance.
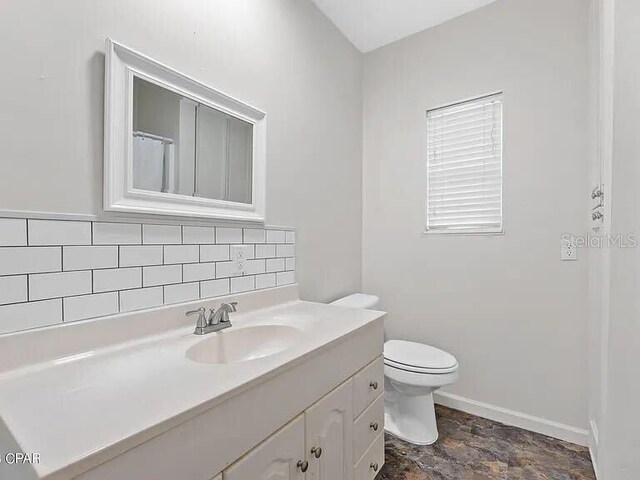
[569, 252]
[238, 257]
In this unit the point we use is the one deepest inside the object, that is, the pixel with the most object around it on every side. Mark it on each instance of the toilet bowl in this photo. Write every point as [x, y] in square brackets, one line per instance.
[412, 371]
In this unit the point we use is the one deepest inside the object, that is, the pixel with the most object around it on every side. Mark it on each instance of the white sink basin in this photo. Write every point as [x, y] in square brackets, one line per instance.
[243, 344]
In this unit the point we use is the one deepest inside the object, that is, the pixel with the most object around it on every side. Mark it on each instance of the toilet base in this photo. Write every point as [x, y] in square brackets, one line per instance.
[411, 418]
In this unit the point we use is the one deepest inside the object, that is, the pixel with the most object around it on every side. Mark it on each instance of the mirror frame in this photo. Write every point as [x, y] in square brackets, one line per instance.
[122, 64]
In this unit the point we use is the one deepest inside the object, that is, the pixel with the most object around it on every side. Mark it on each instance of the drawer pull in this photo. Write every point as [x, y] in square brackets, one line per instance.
[374, 426]
[304, 466]
[374, 467]
[317, 451]
[374, 385]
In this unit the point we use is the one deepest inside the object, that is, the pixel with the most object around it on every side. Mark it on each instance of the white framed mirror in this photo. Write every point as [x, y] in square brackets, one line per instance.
[174, 146]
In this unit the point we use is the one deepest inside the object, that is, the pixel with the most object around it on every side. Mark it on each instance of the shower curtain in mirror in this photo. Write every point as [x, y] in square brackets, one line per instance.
[154, 166]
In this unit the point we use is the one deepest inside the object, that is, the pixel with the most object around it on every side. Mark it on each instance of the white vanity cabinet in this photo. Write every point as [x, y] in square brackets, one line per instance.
[329, 436]
[316, 445]
[326, 442]
[368, 431]
[280, 457]
[315, 413]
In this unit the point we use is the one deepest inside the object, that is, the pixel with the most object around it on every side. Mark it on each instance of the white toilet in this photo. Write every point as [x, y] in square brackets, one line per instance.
[413, 371]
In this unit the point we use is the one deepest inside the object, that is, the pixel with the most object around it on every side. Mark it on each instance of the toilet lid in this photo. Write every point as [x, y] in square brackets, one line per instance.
[418, 357]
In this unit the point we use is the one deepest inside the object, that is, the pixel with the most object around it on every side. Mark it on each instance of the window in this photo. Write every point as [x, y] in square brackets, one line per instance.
[464, 167]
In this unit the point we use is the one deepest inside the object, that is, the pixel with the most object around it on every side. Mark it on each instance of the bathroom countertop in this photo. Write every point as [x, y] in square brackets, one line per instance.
[84, 409]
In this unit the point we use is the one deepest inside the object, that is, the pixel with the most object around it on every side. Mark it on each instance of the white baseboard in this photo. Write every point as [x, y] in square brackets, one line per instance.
[593, 445]
[511, 417]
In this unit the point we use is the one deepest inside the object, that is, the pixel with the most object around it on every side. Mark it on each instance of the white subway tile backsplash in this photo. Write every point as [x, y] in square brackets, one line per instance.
[59, 232]
[290, 263]
[161, 234]
[22, 316]
[140, 255]
[16, 260]
[181, 254]
[162, 275]
[285, 250]
[114, 279]
[275, 265]
[254, 235]
[13, 232]
[51, 268]
[142, 298]
[198, 271]
[266, 280]
[276, 236]
[90, 306]
[198, 235]
[228, 235]
[265, 251]
[252, 267]
[214, 288]
[85, 258]
[117, 233]
[243, 284]
[285, 278]
[13, 289]
[226, 269]
[214, 253]
[63, 284]
[183, 292]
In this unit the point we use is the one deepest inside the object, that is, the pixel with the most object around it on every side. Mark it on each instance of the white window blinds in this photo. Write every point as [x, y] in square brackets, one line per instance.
[464, 167]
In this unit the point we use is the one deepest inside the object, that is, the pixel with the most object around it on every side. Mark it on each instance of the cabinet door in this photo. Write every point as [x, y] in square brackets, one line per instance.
[329, 426]
[275, 459]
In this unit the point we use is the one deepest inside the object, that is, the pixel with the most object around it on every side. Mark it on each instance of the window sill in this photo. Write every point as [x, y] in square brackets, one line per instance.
[428, 233]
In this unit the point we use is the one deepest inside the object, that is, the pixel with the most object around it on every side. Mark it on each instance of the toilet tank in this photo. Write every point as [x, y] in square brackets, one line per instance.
[357, 300]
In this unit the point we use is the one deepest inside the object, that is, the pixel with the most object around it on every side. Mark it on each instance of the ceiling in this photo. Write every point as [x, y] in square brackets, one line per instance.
[370, 24]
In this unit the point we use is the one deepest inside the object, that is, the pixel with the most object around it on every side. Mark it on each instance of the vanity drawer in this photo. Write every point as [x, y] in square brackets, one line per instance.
[368, 426]
[372, 461]
[368, 384]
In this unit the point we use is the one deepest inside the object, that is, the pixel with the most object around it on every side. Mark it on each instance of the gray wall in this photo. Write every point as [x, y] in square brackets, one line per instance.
[506, 306]
[282, 56]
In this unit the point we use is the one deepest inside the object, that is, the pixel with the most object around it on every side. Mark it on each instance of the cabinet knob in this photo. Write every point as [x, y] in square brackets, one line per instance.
[374, 426]
[374, 467]
[304, 466]
[317, 451]
[374, 385]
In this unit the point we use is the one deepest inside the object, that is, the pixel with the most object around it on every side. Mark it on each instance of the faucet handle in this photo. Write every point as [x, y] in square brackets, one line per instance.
[202, 319]
[224, 311]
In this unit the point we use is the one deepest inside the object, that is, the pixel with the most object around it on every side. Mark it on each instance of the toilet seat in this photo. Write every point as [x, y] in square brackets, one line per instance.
[418, 358]
[419, 370]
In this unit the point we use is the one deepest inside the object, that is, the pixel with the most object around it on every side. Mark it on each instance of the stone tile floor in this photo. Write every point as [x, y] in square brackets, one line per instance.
[474, 448]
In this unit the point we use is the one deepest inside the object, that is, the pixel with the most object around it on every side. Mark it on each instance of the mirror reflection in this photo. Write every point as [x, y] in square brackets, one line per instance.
[183, 147]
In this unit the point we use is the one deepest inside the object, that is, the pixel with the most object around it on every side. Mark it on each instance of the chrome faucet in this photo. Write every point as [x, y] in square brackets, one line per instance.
[216, 321]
